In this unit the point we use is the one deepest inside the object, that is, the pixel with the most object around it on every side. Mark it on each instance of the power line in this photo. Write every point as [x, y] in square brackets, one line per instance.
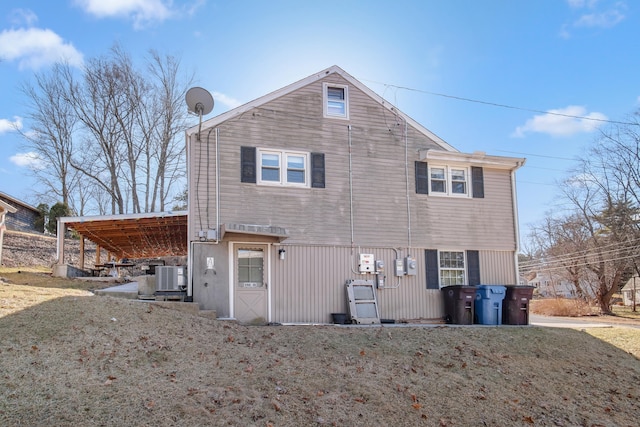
[559, 263]
[495, 104]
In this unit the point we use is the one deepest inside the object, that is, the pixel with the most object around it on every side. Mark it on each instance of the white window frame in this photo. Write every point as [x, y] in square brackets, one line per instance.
[463, 268]
[325, 101]
[283, 156]
[448, 179]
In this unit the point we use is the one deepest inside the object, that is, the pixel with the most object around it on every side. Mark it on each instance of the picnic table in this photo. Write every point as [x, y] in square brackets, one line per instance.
[99, 268]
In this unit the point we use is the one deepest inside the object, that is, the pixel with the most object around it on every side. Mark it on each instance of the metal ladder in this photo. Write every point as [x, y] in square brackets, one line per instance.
[363, 304]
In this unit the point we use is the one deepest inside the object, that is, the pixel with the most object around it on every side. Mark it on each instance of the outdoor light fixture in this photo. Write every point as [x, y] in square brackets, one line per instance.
[282, 252]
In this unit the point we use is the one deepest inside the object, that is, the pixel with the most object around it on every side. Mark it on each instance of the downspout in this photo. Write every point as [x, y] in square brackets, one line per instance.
[351, 203]
[406, 176]
[190, 198]
[350, 189]
[516, 222]
[217, 187]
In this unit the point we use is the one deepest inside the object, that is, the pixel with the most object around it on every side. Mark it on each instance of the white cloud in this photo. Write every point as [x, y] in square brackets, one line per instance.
[577, 4]
[35, 48]
[606, 19]
[9, 126]
[21, 17]
[225, 100]
[562, 122]
[29, 160]
[594, 14]
[141, 12]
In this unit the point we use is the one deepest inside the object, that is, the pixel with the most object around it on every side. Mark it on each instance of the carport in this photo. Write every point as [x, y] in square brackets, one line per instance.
[132, 236]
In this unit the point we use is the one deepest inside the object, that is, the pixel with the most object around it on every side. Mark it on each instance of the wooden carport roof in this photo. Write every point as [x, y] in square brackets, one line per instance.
[133, 236]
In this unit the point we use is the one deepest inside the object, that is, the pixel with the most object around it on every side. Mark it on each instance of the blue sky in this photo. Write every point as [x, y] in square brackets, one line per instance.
[577, 57]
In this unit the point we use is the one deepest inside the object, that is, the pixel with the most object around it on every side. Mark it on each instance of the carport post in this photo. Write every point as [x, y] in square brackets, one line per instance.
[82, 252]
[62, 230]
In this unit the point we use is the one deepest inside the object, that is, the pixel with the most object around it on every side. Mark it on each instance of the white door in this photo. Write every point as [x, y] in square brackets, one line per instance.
[251, 283]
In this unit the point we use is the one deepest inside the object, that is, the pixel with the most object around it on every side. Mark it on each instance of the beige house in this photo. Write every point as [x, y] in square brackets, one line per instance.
[630, 288]
[322, 182]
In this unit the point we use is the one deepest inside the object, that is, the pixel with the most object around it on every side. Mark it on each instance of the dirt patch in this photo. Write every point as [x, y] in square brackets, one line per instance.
[78, 360]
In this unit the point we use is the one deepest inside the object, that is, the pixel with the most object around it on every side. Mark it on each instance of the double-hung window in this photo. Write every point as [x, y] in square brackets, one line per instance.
[283, 168]
[449, 181]
[451, 267]
[336, 101]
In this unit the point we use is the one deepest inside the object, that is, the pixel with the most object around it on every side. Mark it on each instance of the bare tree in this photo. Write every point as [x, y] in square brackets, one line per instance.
[166, 151]
[110, 129]
[563, 246]
[51, 137]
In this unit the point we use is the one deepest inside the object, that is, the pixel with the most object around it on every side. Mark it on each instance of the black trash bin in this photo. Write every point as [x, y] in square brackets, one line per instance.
[515, 310]
[458, 304]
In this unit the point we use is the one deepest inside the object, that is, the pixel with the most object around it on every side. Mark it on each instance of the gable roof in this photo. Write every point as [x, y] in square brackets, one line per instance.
[17, 202]
[629, 286]
[312, 79]
[6, 207]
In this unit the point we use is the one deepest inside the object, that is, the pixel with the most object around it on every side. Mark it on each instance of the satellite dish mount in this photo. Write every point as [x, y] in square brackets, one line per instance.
[200, 103]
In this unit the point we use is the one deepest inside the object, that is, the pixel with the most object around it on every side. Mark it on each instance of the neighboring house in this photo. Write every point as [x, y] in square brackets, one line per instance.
[628, 290]
[25, 216]
[547, 285]
[323, 181]
[5, 209]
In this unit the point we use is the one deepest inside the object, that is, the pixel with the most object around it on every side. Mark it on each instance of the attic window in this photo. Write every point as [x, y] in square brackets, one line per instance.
[336, 101]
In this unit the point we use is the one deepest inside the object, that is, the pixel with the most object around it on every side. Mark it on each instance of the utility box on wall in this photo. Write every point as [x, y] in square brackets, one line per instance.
[366, 263]
[410, 266]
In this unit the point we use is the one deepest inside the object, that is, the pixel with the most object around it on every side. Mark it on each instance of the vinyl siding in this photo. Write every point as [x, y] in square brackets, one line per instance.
[486, 223]
[497, 268]
[380, 186]
[309, 285]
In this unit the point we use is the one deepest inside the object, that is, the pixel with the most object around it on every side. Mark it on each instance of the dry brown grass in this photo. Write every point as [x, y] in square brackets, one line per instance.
[626, 312]
[566, 307]
[84, 360]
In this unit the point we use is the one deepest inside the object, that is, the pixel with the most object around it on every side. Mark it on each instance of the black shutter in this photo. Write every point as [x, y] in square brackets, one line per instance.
[473, 268]
[477, 182]
[248, 164]
[317, 170]
[422, 178]
[431, 259]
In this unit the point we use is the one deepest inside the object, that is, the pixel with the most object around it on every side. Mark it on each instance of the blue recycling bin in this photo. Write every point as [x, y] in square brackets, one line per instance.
[488, 304]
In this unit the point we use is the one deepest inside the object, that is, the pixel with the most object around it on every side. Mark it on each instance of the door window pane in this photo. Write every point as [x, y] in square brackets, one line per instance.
[250, 268]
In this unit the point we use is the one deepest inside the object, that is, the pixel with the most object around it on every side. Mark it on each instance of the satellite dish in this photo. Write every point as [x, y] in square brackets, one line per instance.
[199, 101]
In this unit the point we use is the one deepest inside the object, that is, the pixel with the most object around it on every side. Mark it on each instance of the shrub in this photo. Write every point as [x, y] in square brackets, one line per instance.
[561, 307]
